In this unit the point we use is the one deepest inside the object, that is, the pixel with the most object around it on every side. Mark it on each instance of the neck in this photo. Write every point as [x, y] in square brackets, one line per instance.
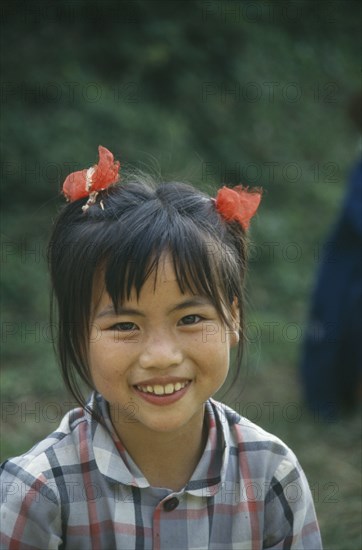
[166, 459]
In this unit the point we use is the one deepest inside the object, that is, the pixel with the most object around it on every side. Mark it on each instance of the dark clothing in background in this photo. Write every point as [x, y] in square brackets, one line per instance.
[332, 355]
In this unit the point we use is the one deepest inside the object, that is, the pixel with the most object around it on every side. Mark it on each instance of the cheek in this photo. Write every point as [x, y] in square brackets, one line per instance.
[107, 359]
[97, 368]
[214, 355]
[107, 375]
[218, 343]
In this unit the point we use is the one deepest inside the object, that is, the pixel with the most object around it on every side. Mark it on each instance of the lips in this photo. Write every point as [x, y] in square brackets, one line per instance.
[162, 392]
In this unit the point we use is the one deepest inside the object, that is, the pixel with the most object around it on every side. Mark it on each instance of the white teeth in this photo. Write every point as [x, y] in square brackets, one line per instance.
[158, 389]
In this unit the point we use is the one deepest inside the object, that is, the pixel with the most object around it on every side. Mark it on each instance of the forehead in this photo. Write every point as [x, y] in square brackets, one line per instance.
[162, 277]
[165, 271]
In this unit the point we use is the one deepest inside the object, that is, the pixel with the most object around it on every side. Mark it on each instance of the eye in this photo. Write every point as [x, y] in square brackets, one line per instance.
[190, 320]
[126, 326]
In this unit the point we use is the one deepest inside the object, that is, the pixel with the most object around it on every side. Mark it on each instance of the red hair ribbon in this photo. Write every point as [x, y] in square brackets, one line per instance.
[238, 204]
[88, 182]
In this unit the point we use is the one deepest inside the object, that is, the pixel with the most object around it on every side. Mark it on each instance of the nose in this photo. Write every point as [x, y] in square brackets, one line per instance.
[160, 352]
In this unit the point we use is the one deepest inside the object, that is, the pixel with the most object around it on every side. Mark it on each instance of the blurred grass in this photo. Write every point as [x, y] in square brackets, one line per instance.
[153, 63]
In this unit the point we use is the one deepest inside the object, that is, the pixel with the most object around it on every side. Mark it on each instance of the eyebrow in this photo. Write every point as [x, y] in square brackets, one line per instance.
[109, 310]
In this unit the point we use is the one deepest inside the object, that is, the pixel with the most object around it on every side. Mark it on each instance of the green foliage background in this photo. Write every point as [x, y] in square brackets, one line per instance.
[209, 92]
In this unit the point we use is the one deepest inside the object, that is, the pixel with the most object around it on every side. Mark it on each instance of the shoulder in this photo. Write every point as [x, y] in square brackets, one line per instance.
[32, 486]
[245, 431]
[268, 474]
[42, 462]
[265, 454]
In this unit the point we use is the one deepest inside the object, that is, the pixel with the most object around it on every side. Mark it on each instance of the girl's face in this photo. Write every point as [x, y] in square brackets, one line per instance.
[161, 357]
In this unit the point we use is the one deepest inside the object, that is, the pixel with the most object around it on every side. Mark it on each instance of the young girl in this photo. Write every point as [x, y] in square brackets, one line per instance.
[148, 282]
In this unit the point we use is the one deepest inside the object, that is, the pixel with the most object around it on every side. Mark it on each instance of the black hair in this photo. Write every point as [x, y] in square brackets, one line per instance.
[123, 236]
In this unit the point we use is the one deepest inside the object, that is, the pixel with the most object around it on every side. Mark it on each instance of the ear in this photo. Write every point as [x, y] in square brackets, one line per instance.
[235, 319]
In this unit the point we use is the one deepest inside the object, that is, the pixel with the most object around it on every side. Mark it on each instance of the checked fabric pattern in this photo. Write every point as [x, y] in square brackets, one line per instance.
[78, 489]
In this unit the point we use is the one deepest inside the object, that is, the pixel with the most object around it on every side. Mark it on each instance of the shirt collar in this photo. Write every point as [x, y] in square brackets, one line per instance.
[114, 462]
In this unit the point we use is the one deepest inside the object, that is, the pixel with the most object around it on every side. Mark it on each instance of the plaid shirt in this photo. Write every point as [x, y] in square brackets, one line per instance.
[79, 489]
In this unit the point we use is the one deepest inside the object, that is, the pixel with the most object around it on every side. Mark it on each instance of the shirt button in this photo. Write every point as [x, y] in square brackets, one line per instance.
[170, 504]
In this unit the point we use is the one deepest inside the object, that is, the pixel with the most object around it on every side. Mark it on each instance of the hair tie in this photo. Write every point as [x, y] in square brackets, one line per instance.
[238, 204]
[88, 182]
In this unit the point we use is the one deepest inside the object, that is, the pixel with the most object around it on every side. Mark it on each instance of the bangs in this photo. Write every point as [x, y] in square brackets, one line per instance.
[196, 258]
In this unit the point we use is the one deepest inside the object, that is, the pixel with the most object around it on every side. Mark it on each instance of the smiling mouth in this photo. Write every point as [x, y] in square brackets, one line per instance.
[167, 389]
